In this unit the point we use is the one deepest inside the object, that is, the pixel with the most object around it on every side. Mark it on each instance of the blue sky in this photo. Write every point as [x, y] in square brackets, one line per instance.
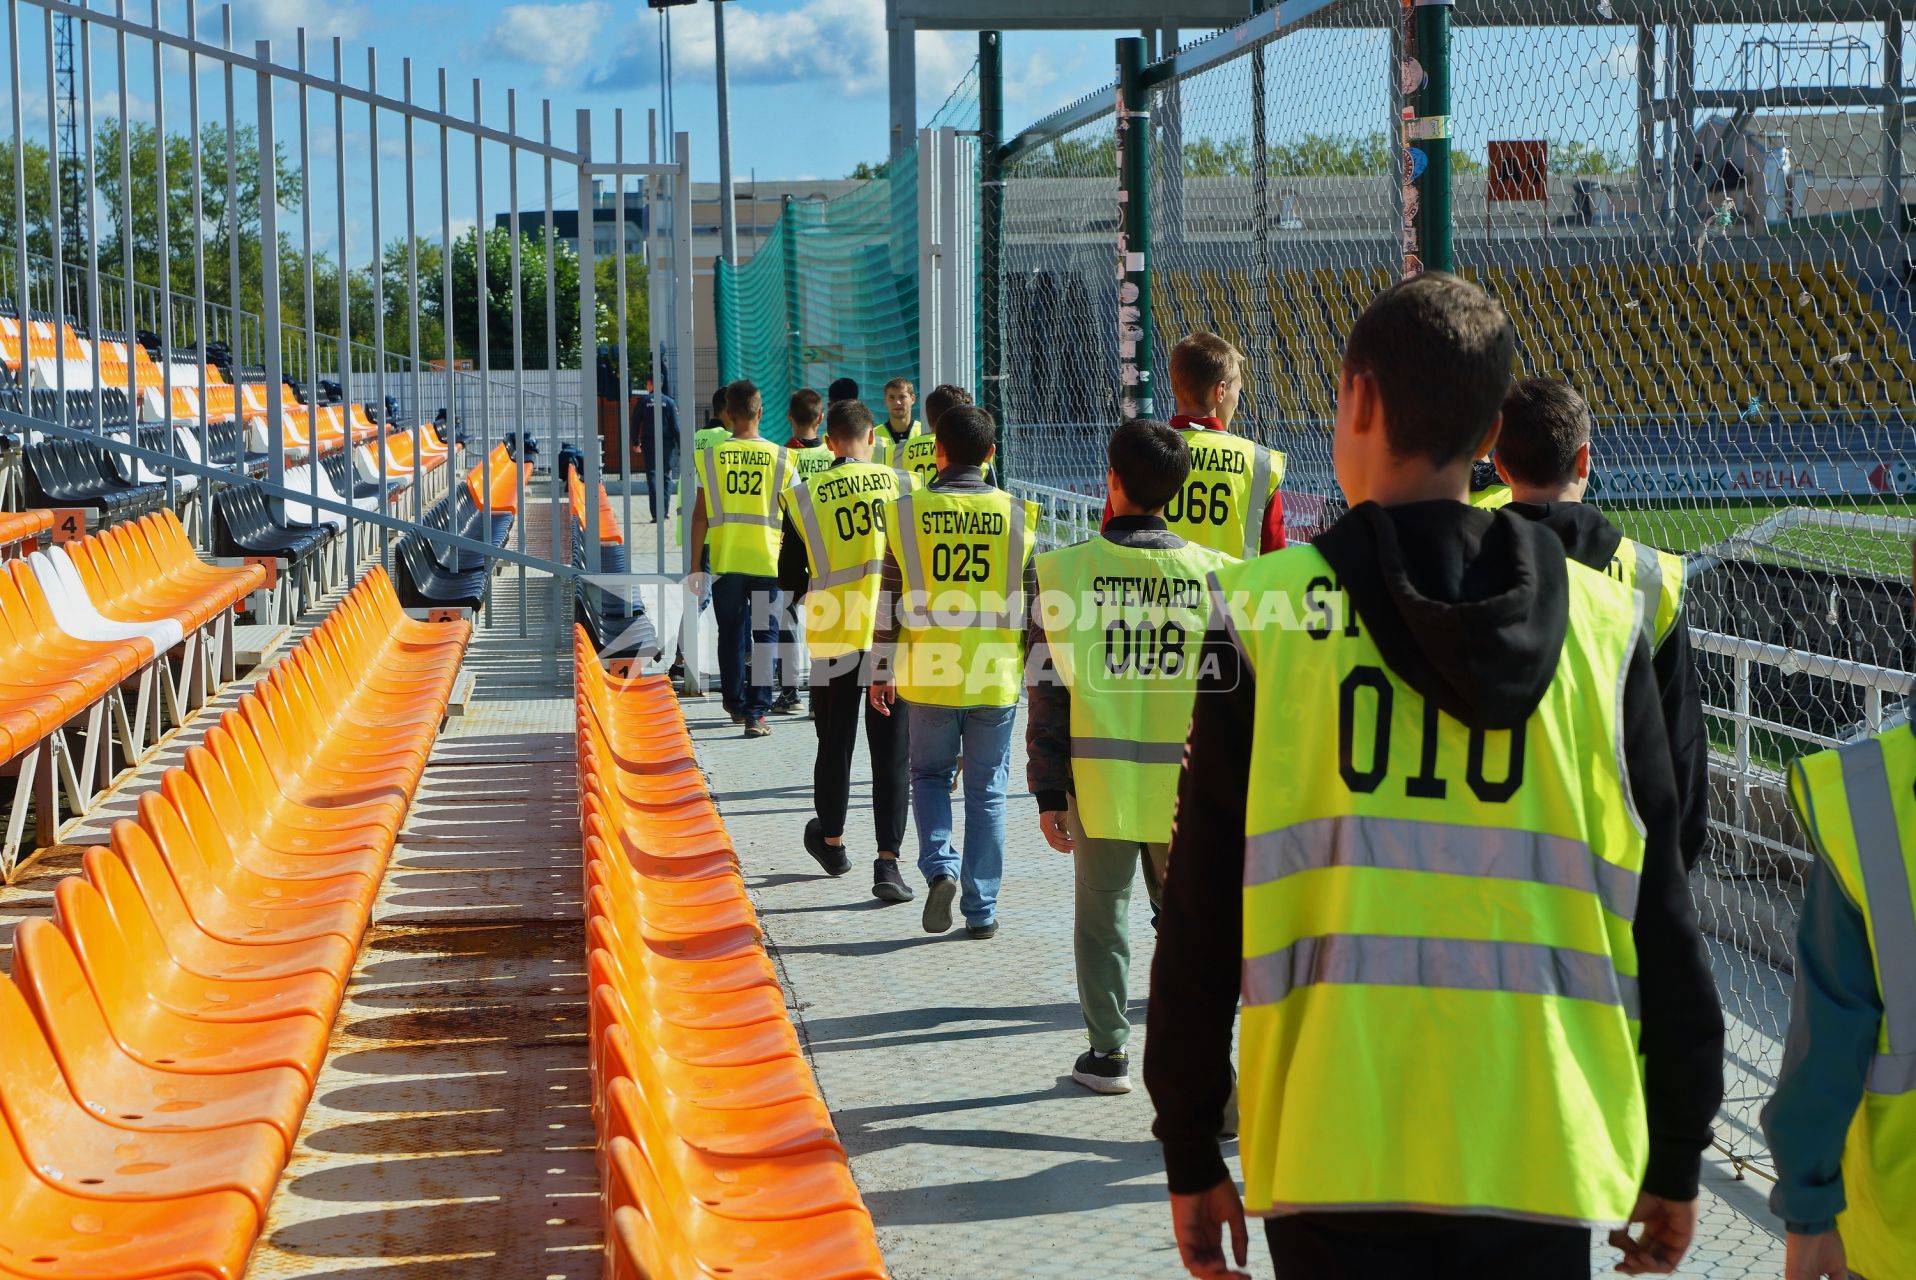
[808, 76]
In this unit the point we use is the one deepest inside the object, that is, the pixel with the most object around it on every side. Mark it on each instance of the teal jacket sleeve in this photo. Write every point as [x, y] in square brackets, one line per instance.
[1834, 1016]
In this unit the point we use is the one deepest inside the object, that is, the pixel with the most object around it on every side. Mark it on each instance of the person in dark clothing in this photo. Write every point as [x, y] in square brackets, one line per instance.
[841, 650]
[658, 478]
[1543, 454]
[841, 389]
[1413, 1077]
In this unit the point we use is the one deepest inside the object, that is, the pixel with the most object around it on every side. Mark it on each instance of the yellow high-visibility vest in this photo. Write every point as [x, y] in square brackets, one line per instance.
[1123, 625]
[840, 513]
[962, 557]
[1223, 504]
[1858, 804]
[1491, 498]
[742, 480]
[885, 447]
[808, 462]
[918, 457]
[1657, 577]
[1439, 981]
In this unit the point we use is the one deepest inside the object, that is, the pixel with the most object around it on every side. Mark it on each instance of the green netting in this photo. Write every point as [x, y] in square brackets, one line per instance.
[833, 292]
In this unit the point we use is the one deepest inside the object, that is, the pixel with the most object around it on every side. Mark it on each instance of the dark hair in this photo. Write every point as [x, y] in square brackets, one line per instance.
[1199, 362]
[1440, 351]
[941, 400]
[803, 407]
[718, 401]
[1545, 423]
[1151, 461]
[967, 434]
[741, 398]
[848, 420]
[842, 389]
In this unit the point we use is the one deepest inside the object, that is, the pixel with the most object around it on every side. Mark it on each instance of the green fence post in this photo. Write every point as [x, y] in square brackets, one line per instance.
[1134, 232]
[794, 318]
[1429, 133]
[722, 287]
[991, 219]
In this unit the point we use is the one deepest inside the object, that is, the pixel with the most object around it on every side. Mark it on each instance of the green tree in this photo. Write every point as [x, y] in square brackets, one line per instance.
[865, 171]
[638, 320]
[499, 320]
[39, 186]
[1573, 159]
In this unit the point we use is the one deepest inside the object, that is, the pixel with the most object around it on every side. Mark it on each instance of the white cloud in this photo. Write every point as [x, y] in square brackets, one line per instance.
[280, 21]
[565, 41]
[1616, 62]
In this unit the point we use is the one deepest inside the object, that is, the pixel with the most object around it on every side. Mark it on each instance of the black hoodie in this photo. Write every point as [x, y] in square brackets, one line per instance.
[1590, 539]
[1470, 608]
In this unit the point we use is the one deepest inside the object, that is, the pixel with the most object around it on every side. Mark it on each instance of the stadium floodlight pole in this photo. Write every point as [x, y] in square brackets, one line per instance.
[1133, 127]
[1429, 133]
[728, 209]
[991, 217]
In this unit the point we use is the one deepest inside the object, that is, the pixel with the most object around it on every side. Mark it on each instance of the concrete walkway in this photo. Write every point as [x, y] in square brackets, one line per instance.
[947, 1062]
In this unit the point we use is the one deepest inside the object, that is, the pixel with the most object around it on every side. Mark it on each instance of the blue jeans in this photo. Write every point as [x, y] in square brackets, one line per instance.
[746, 608]
[937, 734]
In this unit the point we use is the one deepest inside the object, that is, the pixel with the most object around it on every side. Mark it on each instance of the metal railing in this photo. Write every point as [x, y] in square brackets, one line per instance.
[319, 169]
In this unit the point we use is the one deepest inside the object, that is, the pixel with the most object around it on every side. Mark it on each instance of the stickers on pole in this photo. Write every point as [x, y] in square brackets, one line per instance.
[1427, 129]
[1412, 76]
[1415, 162]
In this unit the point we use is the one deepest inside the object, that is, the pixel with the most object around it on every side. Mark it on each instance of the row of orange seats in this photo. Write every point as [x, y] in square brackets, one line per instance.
[717, 1156]
[84, 622]
[20, 531]
[505, 477]
[609, 531]
[161, 1036]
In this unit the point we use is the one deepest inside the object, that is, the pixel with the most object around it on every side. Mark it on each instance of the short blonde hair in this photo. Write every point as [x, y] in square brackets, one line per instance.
[1199, 362]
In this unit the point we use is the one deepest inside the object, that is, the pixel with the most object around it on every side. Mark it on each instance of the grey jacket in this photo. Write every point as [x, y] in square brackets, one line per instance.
[1048, 721]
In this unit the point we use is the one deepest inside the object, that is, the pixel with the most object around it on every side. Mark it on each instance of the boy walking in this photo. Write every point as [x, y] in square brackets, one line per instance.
[834, 545]
[899, 426]
[1110, 664]
[1231, 501]
[949, 648]
[809, 457]
[1427, 839]
[740, 483]
[1543, 459]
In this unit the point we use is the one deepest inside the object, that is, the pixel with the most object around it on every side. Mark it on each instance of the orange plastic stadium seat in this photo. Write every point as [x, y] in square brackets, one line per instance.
[89, 1156]
[20, 526]
[101, 936]
[756, 1029]
[158, 1096]
[319, 964]
[505, 479]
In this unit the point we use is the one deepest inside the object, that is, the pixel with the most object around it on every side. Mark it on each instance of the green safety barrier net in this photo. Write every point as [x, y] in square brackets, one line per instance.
[833, 291]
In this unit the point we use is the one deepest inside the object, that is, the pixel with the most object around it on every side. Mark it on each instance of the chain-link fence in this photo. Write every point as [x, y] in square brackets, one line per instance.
[1701, 226]
[834, 291]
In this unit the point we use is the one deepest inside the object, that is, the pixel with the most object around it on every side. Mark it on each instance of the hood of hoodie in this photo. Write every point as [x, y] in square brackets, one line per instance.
[1587, 537]
[1468, 607]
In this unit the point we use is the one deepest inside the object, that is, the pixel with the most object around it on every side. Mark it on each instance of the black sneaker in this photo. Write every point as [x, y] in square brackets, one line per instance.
[757, 729]
[887, 884]
[788, 705]
[676, 672]
[738, 717]
[831, 857]
[1103, 1072]
[981, 932]
[938, 900]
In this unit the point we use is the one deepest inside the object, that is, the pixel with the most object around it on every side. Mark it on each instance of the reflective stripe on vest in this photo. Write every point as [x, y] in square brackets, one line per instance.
[1858, 804]
[840, 609]
[1454, 964]
[1260, 503]
[1658, 577]
[743, 538]
[1432, 903]
[954, 649]
[1123, 627]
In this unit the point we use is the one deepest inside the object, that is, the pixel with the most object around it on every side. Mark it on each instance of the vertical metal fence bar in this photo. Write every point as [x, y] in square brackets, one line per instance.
[379, 284]
[412, 285]
[686, 371]
[89, 229]
[22, 286]
[552, 375]
[233, 333]
[483, 301]
[128, 320]
[195, 160]
[588, 374]
[162, 184]
[308, 300]
[343, 349]
[518, 346]
[654, 306]
[57, 294]
[268, 269]
[446, 312]
[619, 335]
